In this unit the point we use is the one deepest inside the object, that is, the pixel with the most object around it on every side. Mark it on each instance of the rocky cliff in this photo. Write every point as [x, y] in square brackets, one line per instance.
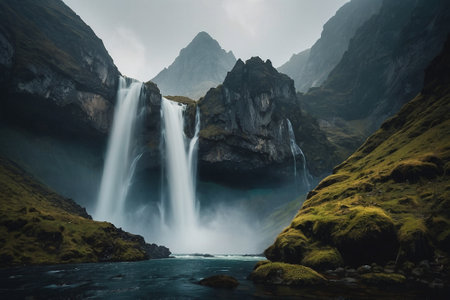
[58, 87]
[53, 64]
[40, 227]
[384, 65]
[244, 127]
[203, 64]
[311, 67]
[387, 206]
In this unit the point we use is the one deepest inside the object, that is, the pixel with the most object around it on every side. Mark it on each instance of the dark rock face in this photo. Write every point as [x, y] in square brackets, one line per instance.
[244, 127]
[150, 132]
[384, 65]
[52, 63]
[154, 251]
[203, 64]
[58, 87]
[311, 67]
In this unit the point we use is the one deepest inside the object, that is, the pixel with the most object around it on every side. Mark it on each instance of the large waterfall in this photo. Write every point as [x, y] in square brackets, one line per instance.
[179, 156]
[296, 150]
[121, 157]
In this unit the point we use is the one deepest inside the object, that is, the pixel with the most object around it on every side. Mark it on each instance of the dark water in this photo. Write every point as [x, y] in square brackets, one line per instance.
[163, 279]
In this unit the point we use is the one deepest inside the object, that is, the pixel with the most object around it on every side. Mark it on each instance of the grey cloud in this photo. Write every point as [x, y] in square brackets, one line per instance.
[143, 37]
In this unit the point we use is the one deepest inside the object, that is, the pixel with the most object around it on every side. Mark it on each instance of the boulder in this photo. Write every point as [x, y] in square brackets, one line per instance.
[220, 281]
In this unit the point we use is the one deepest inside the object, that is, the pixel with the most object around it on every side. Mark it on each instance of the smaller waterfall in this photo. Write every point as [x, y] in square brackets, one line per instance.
[121, 158]
[180, 159]
[296, 150]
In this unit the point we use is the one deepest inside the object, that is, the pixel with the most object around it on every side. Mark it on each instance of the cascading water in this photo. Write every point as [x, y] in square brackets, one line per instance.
[296, 150]
[180, 156]
[121, 157]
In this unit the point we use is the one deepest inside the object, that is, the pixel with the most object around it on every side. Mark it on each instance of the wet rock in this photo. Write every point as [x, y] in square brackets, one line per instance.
[436, 284]
[377, 269]
[364, 269]
[349, 280]
[382, 279]
[340, 271]
[407, 267]
[220, 281]
[425, 264]
[350, 272]
[417, 272]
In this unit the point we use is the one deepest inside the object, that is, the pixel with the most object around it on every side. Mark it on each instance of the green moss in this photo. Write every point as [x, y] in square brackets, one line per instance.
[363, 221]
[382, 279]
[332, 179]
[38, 226]
[388, 200]
[289, 246]
[260, 263]
[321, 259]
[411, 227]
[286, 274]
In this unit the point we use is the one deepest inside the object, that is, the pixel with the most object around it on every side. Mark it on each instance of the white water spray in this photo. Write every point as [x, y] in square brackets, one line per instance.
[121, 159]
[296, 150]
[180, 169]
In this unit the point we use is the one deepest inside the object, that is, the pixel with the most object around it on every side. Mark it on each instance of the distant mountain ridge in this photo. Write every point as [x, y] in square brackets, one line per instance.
[203, 64]
[311, 67]
[384, 65]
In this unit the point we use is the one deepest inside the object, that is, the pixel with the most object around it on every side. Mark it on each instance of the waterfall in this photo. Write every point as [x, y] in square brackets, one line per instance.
[296, 150]
[121, 157]
[180, 159]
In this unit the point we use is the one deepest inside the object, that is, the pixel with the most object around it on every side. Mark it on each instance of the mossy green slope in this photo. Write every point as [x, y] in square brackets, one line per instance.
[38, 226]
[390, 200]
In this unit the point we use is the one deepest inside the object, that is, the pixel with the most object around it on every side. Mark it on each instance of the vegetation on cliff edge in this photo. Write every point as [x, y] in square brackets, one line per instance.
[37, 226]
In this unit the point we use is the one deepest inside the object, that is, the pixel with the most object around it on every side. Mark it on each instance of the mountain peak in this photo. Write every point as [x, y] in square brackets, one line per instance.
[201, 65]
[203, 39]
[202, 35]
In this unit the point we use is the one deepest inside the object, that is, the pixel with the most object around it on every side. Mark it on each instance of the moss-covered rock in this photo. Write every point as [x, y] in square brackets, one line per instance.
[368, 233]
[286, 274]
[290, 246]
[220, 281]
[389, 200]
[323, 259]
[38, 226]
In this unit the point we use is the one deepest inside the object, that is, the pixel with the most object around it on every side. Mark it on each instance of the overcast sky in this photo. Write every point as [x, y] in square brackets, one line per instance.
[144, 36]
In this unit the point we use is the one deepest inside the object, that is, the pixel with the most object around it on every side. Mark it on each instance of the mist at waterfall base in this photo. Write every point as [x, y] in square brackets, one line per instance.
[171, 208]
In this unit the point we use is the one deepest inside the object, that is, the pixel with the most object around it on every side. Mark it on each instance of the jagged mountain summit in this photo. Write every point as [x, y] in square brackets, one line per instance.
[203, 64]
[244, 127]
[311, 67]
